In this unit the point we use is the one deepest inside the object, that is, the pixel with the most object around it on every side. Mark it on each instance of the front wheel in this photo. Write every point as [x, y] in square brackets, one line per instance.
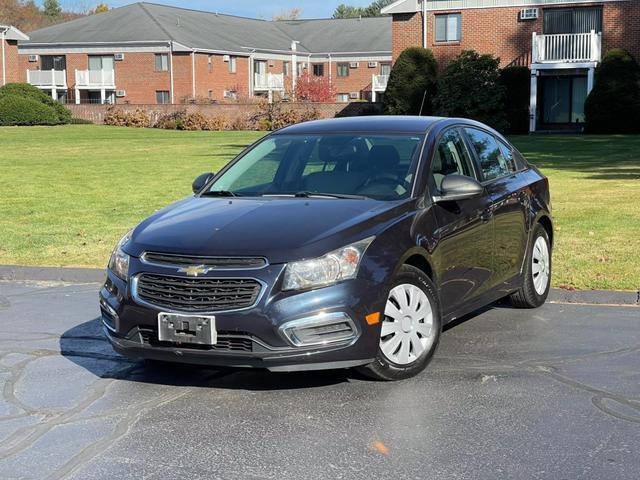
[410, 330]
[537, 273]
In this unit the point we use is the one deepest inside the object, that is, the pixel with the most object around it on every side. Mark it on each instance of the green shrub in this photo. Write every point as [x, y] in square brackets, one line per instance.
[25, 90]
[470, 87]
[15, 110]
[517, 87]
[613, 106]
[80, 121]
[412, 82]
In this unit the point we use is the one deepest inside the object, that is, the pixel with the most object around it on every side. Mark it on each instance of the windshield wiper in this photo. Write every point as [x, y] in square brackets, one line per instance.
[330, 195]
[219, 193]
[306, 194]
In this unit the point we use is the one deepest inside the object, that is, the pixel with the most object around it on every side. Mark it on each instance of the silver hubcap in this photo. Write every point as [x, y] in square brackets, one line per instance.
[407, 329]
[541, 265]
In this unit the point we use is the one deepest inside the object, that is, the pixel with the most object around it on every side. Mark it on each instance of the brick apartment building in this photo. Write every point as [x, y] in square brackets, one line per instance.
[147, 53]
[561, 41]
[9, 61]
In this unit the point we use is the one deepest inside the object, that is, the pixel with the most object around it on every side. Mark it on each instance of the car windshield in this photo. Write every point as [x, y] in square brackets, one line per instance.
[375, 166]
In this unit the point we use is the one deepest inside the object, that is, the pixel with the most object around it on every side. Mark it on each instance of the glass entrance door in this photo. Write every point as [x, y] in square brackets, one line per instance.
[563, 98]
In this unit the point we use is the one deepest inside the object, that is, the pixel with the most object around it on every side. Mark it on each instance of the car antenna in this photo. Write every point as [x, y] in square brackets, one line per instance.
[424, 97]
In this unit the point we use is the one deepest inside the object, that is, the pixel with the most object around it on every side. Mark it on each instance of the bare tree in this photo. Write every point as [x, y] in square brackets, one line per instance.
[293, 14]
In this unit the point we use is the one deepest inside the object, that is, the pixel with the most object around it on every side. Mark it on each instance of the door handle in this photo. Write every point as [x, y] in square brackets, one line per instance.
[486, 214]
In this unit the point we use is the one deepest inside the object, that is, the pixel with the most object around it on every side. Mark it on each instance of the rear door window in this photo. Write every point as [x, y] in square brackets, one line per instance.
[492, 161]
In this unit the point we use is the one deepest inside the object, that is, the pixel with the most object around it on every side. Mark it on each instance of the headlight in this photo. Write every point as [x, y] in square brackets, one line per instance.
[341, 264]
[119, 262]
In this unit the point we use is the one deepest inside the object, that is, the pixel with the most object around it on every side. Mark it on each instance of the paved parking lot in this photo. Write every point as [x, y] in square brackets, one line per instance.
[546, 394]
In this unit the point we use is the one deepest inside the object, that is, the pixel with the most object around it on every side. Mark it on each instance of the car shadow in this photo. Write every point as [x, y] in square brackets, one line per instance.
[86, 346]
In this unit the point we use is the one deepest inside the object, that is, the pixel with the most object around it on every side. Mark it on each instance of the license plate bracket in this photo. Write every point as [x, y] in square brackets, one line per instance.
[190, 329]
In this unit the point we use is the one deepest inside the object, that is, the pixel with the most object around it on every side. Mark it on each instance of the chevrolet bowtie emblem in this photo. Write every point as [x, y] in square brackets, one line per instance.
[195, 270]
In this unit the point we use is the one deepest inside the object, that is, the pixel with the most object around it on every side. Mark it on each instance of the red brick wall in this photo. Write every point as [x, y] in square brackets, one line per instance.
[219, 78]
[498, 31]
[12, 62]
[406, 31]
[137, 75]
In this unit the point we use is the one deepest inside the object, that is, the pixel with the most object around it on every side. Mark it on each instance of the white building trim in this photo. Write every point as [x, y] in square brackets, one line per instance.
[413, 6]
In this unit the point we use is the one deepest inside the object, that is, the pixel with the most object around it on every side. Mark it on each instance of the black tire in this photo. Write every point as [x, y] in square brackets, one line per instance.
[527, 296]
[383, 369]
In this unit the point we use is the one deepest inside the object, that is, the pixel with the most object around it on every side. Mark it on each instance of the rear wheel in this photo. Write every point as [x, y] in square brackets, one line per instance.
[411, 328]
[537, 275]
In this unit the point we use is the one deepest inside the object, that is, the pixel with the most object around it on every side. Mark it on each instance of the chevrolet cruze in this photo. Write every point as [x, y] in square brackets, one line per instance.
[333, 244]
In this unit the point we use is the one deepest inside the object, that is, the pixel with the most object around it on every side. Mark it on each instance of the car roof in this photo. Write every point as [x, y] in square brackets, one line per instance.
[369, 124]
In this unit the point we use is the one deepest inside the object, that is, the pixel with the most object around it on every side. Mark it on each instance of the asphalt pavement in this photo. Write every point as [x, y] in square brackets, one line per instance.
[552, 393]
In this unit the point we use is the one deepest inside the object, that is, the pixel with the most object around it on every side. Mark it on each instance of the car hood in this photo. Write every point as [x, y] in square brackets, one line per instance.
[280, 229]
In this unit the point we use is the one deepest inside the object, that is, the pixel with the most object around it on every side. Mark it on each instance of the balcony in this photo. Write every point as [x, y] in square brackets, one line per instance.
[268, 81]
[95, 79]
[379, 83]
[52, 79]
[567, 48]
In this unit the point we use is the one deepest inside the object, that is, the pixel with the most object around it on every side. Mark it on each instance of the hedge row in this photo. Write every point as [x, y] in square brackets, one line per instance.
[23, 104]
[270, 117]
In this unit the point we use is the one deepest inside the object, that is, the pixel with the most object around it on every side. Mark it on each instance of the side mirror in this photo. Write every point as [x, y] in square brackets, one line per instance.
[458, 187]
[201, 181]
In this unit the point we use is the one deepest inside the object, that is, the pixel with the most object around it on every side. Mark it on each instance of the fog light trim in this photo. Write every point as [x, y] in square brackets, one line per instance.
[109, 315]
[324, 329]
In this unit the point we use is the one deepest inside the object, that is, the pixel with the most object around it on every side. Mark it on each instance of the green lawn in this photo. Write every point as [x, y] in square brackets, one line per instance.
[68, 193]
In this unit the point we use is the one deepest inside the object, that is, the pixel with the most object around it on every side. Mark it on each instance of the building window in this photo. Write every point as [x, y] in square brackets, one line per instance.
[318, 69]
[101, 62]
[286, 66]
[162, 62]
[53, 62]
[448, 27]
[343, 69]
[233, 64]
[210, 63]
[342, 98]
[385, 69]
[162, 97]
[572, 20]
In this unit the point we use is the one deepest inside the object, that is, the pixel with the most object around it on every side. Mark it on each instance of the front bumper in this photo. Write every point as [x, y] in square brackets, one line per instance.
[251, 337]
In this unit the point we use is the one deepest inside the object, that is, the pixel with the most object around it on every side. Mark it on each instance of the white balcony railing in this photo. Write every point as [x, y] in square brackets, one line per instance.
[567, 47]
[47, 78]
[95, 78]
[268, 81]
[379, 83]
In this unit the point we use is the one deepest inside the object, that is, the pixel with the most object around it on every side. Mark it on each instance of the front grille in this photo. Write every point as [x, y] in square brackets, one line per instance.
[225, 343]
[222, 263]
[197, 294]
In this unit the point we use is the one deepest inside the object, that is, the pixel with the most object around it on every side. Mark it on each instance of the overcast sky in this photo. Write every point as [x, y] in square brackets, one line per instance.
[247, 8]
